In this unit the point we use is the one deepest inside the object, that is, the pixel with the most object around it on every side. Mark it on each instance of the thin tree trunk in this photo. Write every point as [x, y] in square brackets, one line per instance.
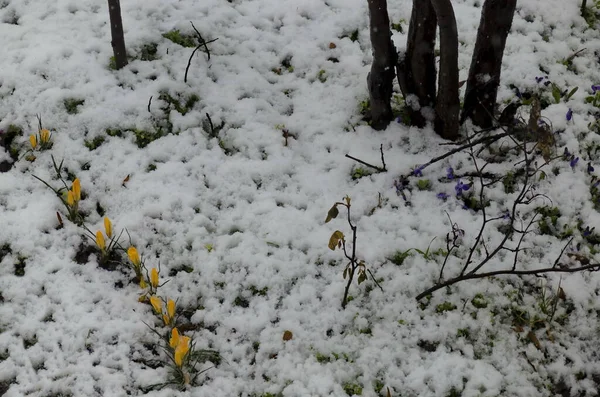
[416, 71]
[381, 78]
[447, 105]
[116, 30]
[484, 73]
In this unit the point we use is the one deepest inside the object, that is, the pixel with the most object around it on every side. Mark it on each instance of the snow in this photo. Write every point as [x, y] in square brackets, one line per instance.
[71, 329]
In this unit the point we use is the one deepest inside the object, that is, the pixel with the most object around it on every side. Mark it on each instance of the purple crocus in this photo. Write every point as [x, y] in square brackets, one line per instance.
[595, 88]
[461, 187]
[588, 232]
[418, 171]
[590, 168]
[569, 114]
[574, 161]
[450, 173]
[442, 196]
[539, 79]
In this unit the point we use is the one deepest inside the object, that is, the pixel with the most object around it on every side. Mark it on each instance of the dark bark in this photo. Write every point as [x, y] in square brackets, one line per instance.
[116, 31]
[447, 105]
[416, 71]
[484, 74]
[381, 78]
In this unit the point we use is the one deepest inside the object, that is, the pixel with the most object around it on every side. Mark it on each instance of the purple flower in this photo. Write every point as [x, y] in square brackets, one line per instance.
[461, 187]
[590, 168]
[442, 196]
[574, 161]
[418, 171]
[539, 79]
[595, 88]
[569, 114]
[566, 154]
[506, 214]
[588, 232]
[450, 173]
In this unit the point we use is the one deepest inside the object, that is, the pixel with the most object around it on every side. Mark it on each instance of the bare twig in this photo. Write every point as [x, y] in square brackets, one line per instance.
[379, 169]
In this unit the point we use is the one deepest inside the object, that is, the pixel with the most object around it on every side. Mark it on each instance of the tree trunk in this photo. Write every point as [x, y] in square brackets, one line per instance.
[116, 30]
[416, 71]
[381, 78]
[447, 105]
[484, 73]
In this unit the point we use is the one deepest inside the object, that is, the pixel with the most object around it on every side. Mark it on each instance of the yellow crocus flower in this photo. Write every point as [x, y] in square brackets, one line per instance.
[171, 308]
[100, 240]
[76, 189]
[44, 136]
[143, 284]
[134, 257]
[174, 341]
[108, 227]
[154, 277]
[156, 304]
[166, 319]
[70, 198]
[181, 350]
[33, 141]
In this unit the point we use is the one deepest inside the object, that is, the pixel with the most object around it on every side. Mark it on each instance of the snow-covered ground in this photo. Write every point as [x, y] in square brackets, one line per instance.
[237, 222]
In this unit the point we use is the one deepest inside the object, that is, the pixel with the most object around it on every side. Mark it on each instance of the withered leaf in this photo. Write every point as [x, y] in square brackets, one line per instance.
[332, 214]
[287, 335]
[336, 238]
[536, 342]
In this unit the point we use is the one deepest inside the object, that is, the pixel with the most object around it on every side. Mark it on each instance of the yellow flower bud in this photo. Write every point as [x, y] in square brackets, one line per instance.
[44, 136]
[143, 284]
[174, 341]
[76, 189]
[100, 240]
[33, 141]
[166, 319]
[181, 350]
[171, 308]
[70, 199]
[108, 227]
[134, 257]
[154, 277]
[156, 304]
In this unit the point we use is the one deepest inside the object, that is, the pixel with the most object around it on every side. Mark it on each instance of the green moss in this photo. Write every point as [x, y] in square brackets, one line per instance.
[479, 301]
[321, 76]
[353, 389]
[183, 40]
[149, 52]
[240, 301]
[445, 307]
[322, 358]
[71, 105]
[258, 292]
[176, 104]
[20, 266]
[509, 183]
[360, 172]
[463, 333]
[143, 138]
[94, 143]
[114, 132]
